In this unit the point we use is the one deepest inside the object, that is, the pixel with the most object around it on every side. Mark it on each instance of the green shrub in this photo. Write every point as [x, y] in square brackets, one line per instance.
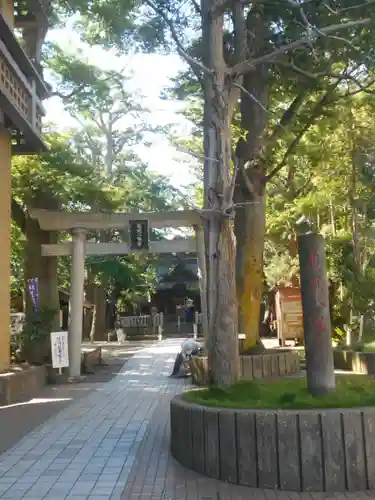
[35, 336]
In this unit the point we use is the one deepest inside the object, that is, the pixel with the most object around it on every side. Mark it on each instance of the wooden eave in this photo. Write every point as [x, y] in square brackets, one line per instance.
[21, 89]
[20, 57]
[31, 142]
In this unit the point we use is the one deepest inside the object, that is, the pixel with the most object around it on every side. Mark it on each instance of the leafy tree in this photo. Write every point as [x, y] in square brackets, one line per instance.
[111, 122]
[112, 118]
[55, 180]
[298, 67]
[17, 279]
[331, 182]
[303, 51]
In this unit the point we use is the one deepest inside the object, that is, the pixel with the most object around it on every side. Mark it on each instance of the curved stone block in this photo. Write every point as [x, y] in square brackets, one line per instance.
[293, 450]
[358, 362]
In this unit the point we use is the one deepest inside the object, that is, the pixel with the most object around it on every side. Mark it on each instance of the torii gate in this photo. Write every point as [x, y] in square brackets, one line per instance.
[79, 223]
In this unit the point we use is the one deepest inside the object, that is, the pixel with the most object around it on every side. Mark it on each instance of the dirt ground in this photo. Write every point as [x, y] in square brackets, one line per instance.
[19, 419]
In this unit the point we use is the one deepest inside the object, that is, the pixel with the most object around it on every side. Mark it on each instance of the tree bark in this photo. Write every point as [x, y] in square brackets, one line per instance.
[224, 352]
[101, 310]
[250, 231]
[89, 322]
[38, 266]
[96, 324]
[222, 345]
[250, 195]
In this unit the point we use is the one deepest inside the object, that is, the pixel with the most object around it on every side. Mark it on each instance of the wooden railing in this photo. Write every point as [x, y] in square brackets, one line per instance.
[142, 321]
[21, 91]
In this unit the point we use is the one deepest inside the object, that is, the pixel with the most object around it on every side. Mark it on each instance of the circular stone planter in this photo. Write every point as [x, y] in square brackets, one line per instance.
[273, 363]
[354, 361]
[297, 450]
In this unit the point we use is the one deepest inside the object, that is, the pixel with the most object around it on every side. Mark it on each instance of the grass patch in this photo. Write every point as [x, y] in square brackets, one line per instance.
[351, 391]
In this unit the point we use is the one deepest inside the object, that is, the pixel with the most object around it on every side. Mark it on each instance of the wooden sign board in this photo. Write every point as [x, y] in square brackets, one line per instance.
[289, 315]
[139, 235]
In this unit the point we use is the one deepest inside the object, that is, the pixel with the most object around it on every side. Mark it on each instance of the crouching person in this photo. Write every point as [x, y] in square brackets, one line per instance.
[189, 348]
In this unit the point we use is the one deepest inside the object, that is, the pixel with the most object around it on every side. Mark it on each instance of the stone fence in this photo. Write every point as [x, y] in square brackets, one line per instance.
[358, 362]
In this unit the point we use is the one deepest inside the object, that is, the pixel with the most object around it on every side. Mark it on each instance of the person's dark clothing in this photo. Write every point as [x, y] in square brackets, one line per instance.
[179, 360]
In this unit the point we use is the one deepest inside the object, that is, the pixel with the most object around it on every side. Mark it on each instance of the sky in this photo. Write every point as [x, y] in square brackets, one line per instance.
[151, 74]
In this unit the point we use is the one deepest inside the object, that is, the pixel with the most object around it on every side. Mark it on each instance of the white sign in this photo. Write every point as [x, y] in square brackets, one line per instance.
[59, 349]
[16, 322]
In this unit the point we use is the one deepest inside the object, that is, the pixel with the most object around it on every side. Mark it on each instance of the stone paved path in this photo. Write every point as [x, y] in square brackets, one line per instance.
[114, 445]
[20, 419]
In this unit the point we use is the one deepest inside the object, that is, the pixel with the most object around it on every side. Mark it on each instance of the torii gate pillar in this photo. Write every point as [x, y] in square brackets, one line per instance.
[77, 291]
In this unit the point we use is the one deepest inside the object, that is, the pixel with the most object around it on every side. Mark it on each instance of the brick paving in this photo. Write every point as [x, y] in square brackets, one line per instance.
[113, 444]
[22, 418]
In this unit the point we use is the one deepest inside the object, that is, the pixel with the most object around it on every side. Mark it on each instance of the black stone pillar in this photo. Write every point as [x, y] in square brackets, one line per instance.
[316, 314]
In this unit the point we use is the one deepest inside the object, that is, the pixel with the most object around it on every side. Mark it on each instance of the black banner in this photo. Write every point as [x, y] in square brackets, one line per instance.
[139, 236]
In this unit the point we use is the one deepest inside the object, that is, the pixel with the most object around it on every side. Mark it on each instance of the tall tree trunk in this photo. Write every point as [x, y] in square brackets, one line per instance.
[95, 324]
[109, 150]
[101, 297]
[222, 345]
[250, 231]
[250, 191]
[101, 310]
[38, 266]
[354, 218]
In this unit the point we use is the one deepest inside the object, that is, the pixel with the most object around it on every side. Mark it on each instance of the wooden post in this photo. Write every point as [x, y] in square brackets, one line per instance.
[5, 222]
[202, 278]
[5, 237]
[316, 314]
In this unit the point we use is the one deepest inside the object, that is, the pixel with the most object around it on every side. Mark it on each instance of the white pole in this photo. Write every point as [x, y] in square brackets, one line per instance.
[195, 330]
[201, 253]
[361, 325]
[77, 283]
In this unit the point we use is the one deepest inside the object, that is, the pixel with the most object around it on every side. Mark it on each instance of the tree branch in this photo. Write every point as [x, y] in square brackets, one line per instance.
[302, 189]
[239, 29]
[197, 7]
[288, 116]
[346, 9]
[194, 63]
[330, 74]
[250, 64]
[315, 113]
[71, 94]
[223, 5]
[251, 96]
